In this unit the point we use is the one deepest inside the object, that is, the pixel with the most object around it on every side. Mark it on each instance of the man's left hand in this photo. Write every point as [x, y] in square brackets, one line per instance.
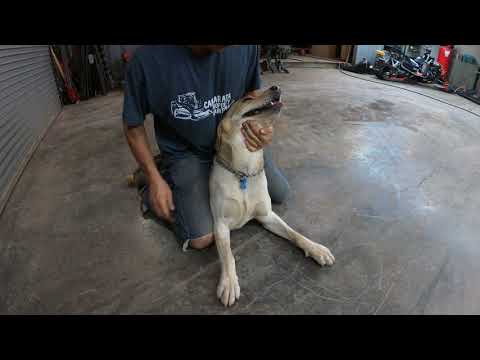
[256, 137]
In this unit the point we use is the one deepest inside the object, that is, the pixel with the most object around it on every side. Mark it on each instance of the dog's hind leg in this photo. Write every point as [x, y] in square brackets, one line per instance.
[276, 225]
[228, 289]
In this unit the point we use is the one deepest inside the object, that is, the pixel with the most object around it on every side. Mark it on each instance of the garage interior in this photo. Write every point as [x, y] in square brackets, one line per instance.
[383, 176]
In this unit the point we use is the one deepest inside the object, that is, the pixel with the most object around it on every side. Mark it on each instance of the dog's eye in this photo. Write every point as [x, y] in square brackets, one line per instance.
[247, 99]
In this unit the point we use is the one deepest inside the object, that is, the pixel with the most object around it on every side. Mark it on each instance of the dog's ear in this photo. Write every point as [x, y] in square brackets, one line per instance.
[218, 142]
[226, 126]
[223, 129]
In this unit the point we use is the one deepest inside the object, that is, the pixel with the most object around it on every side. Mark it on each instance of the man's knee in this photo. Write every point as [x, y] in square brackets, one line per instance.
[202, 242]
[278, 186]
[280, 192]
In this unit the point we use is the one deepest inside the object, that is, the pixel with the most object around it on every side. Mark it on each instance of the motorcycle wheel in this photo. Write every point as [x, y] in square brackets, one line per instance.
[385, 74]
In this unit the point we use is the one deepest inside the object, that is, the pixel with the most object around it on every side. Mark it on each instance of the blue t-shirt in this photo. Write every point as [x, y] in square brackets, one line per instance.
[187, 94]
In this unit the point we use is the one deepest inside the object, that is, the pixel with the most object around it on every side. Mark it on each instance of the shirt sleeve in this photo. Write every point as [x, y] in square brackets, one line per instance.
[254, 82]
[135, 102]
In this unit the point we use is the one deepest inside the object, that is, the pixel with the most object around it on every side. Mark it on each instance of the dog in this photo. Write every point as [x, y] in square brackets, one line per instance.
[238, 189]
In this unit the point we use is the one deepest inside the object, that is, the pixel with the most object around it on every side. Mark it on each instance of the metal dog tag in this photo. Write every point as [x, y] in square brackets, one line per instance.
[243, 182]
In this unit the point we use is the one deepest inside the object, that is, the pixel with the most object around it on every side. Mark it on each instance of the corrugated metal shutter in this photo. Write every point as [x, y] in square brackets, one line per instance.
[29, 101]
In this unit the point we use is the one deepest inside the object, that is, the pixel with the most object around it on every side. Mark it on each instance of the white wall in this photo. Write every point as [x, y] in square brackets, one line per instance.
[463, 74]
[366, 51]
[470, 49]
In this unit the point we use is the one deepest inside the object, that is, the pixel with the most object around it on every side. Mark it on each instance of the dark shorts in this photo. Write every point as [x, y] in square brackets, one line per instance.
[189, 180]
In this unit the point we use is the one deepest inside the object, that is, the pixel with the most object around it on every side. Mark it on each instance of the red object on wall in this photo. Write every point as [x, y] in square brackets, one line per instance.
[444, 59]
[126, 56]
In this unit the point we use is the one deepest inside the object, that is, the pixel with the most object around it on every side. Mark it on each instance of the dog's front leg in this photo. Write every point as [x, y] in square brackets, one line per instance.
[228, 289]
[276, 225]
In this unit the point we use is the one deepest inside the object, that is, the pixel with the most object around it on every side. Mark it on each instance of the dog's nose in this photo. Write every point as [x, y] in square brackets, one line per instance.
[276, 93]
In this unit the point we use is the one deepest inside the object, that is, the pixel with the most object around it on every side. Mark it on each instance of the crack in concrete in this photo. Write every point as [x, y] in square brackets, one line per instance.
[385, 297]
[426, 295]
[424, 179]
[331, 291]
[428, 176]
[320, 296]
[265, 292]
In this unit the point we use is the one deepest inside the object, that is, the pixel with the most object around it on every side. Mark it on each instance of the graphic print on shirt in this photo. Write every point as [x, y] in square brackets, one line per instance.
[187, 106]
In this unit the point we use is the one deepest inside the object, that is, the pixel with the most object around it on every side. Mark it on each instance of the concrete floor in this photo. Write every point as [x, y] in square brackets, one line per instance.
[387, 179]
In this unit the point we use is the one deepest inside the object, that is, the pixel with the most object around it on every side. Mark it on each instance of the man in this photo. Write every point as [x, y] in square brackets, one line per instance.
[187, 89]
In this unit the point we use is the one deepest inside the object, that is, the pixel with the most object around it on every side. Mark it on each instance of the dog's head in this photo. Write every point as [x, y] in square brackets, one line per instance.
[263, 109]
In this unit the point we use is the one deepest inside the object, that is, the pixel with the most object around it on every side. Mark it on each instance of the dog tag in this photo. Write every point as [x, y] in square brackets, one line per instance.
[243, 183]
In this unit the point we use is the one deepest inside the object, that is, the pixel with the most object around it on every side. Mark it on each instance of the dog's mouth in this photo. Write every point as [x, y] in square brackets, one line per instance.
[274, 105]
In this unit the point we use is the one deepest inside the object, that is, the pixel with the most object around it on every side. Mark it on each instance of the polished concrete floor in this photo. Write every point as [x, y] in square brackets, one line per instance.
[388, 179]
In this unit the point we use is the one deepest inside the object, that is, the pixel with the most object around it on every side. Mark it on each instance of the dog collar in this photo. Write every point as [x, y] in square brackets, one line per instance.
[242, 177]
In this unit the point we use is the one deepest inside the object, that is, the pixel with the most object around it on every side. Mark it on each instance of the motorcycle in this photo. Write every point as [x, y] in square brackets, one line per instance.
[391, 64]
[431, 70]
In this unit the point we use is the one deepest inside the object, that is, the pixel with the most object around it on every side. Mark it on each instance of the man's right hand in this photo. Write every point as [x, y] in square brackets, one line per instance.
[161, 199]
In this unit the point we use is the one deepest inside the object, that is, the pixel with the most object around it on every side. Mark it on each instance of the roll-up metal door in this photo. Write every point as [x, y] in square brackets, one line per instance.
[29, 102]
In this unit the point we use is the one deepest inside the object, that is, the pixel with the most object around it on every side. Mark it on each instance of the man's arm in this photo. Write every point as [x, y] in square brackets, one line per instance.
[135, 108]
[161, 198]
[256, 138]
[138, 141]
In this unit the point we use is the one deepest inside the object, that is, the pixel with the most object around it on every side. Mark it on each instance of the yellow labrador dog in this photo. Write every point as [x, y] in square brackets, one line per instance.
[238, 189]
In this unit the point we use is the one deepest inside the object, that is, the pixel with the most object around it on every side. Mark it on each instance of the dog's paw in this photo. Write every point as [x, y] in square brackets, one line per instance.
[228, 290]
[320, 254]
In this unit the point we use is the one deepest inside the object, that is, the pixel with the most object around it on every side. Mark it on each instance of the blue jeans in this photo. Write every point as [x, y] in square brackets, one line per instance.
[188, 179]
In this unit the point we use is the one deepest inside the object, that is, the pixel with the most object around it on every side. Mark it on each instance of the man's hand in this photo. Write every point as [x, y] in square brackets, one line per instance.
[161, 199]
[256, 137]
